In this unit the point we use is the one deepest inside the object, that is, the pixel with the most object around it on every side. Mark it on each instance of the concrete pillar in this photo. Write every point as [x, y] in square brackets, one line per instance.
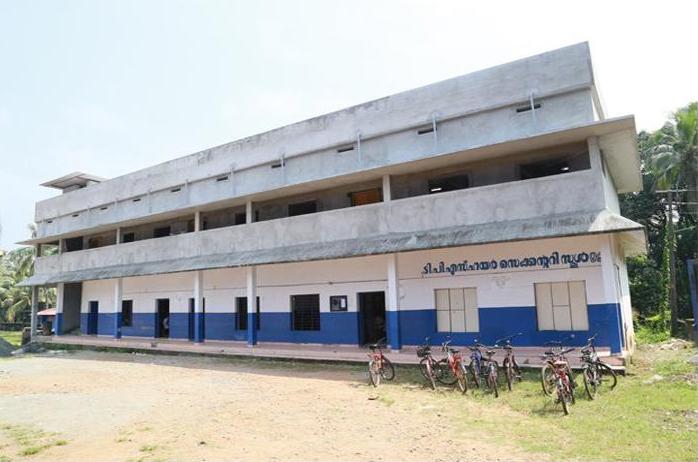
[35, 309]
[595, 159]
[199, 334]
[387, 193]
[58, 320]
[248, 212]
[251, 305]
[118, 235]
[197, 221]
[118, 315]
[392, 312]
[60, 246]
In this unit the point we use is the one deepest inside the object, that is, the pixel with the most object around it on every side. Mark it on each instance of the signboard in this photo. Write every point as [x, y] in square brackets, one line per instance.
[554, 260]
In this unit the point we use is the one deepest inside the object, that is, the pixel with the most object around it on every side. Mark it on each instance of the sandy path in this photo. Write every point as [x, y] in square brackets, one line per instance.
[117, 407]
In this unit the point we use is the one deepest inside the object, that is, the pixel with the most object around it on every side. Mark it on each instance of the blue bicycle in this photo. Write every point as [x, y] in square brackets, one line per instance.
[483, 368]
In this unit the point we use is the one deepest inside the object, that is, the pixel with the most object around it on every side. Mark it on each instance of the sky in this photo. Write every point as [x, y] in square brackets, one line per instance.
[108, 87]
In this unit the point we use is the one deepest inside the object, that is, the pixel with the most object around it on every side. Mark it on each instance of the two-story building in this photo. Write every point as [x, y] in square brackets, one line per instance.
[475, 207]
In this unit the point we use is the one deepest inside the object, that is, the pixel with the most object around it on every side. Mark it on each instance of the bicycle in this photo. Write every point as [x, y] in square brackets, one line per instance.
[378, 365]
[595, 371]
[455, 363]
[433, 370]
[512, 371]
[563, 384]
[484, 368]
[547, 375]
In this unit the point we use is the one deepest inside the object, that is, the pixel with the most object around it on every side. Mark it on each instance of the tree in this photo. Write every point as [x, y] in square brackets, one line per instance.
[674, 161]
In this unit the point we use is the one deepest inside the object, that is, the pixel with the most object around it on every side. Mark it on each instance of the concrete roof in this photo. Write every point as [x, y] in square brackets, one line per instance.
[602, 221]
[72, 179]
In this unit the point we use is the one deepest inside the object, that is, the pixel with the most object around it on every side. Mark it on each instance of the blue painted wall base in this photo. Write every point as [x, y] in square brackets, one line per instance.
[407, 327]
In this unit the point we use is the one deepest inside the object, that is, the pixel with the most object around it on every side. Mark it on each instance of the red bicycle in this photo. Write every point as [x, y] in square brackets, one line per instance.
[456, 365]
[379, 367]
[562, 378]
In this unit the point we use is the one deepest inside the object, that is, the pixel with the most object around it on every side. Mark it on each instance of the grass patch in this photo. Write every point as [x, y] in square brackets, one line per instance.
[645, 418]
[148, 448]
[12, 337]
[30, 441]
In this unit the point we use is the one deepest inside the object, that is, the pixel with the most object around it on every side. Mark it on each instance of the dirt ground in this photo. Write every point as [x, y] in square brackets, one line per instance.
[88, 406]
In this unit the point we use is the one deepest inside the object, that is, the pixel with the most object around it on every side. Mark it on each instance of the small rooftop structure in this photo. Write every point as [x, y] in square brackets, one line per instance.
[72, 181]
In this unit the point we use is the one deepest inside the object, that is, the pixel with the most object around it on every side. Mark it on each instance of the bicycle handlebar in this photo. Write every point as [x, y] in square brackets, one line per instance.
[507, 339]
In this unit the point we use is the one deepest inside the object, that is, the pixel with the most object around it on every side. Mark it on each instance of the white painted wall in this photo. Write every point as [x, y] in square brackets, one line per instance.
[276, 283]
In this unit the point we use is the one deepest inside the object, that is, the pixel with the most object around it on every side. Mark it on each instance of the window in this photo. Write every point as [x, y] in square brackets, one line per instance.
[241, 309]
[162, 232]
[301, 208]
[544, 168]
[369, 196]
[305, 312]
[94, 242]
[128, 237]
[425, 130]
[338, 303]
[177, 189]
[527, 108]
[345, 149]
[240, 218]
[74, 243]
[222, 178]
[127, 313]
[456, 310]
[451, 183]
[561, 306]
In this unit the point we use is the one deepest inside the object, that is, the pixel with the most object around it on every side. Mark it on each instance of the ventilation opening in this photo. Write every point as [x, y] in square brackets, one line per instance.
[137, 199]
[174, 190]
[278, 164]
[345, 149]
[49, 221]
[103, 208]
[222, 178]
[75, 215]
[527, 108]
[425, 130]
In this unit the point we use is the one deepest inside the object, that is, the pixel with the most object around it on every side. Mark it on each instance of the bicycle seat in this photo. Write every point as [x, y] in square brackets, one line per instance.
[455, 350]
[560, 364]
[491, 352]
[375, 346]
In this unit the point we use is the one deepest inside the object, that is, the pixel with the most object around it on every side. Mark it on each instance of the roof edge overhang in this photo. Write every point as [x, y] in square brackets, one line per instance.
[556, 226]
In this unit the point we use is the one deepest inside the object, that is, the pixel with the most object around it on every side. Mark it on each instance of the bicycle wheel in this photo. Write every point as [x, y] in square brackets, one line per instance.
[462, 377]
[423, 368]
[492, 381]
[590, 381]
[517, 370]
[474, 373]
[374, 373]
[547, 379]
[571, 385]
[443, 373]
[508, 372]
[606, 376]
[562, 397]
[388, 371]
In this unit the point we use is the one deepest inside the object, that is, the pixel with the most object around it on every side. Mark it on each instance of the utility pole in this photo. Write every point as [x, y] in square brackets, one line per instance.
[673, 302]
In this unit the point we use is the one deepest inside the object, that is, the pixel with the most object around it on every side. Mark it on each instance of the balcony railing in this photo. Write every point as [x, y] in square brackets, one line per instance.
[561, 194]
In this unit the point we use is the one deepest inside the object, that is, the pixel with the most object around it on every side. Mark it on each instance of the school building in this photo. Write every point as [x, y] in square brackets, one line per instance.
[475, 207]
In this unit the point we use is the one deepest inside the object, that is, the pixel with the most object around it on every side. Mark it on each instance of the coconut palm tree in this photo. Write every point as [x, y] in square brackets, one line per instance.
[675, 158]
